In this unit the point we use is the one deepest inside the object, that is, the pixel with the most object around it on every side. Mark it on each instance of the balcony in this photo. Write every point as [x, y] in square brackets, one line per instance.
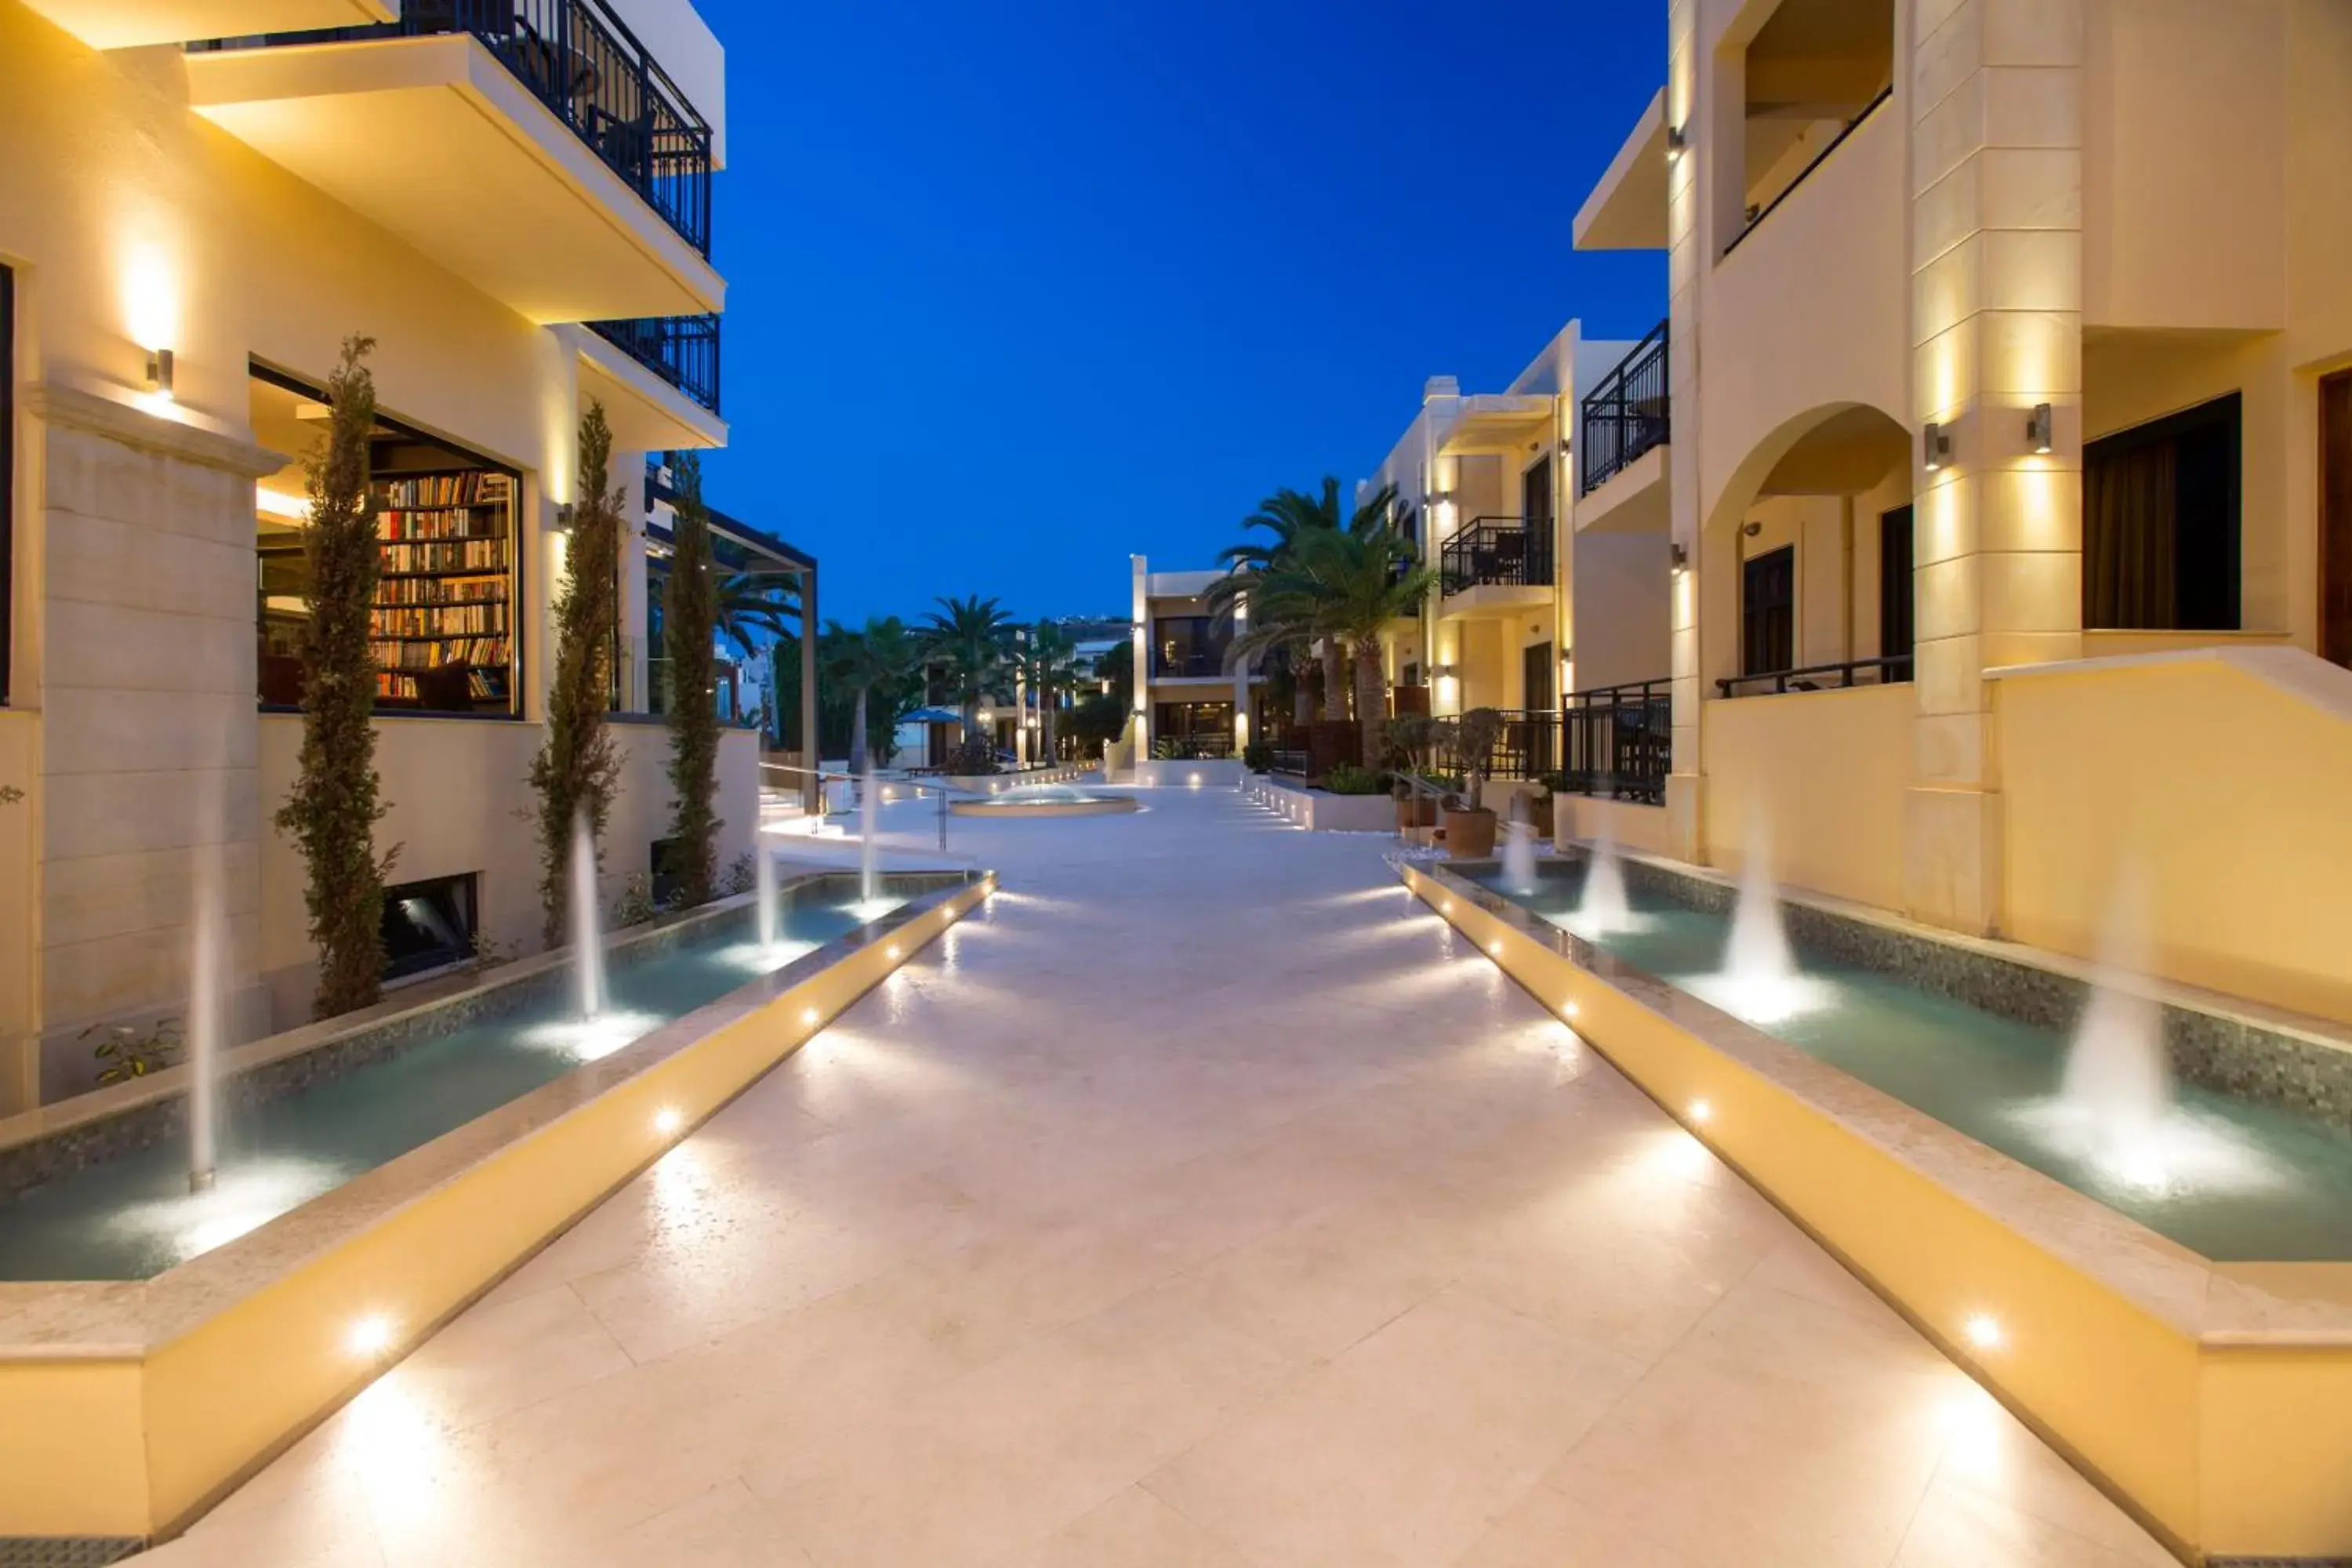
[1629, 413]
[533, 147]
[683, 351]
[1495, 565]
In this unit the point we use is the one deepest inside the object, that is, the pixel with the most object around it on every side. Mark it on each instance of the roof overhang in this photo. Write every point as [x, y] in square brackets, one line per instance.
[1499, 422]
[1627, 210]
[434, 141]
[647, 413]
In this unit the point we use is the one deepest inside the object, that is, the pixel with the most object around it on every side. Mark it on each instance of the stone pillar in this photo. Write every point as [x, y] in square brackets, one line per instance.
[1140, 570]
[1686, 234]
[1996, 95]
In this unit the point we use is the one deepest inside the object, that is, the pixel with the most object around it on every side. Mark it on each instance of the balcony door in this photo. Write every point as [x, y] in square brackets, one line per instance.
[1896, 632]
[2336, 518]
[1768, 612]
[1536, 678]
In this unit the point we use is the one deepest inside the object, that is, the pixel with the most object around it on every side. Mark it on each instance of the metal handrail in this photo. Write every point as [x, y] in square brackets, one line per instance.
[681, 350]
[1498, 550]
[1629, 413]
[1618, 741]
[1891, 670]
[1768, 208]
[579, 59]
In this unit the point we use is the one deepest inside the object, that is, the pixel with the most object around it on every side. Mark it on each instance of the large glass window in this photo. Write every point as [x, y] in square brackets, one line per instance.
[1187, 646]
[2160, 538]
[444, 622]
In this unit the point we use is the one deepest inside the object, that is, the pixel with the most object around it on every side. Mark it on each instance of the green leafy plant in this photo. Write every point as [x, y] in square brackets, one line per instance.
[742, 873]
[968, 637]
[690, 610]
[488, 953]
[1258, 757]
[972, 756]
[636, 904]
[578, 766]
[1475, 734]
[334, 806]
[1347, 778]
[877, 660]
[124, 1053]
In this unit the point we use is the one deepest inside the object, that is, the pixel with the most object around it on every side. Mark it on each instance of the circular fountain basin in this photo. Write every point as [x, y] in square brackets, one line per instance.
[1032, 801]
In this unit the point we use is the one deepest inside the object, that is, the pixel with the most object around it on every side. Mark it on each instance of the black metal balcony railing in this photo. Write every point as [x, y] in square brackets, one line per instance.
[1618, 741]
[1885, 671]
[1198, 748]
[1527, 746]
[681, 350]
[1629, 413]
[582, 61]
[1496, 550]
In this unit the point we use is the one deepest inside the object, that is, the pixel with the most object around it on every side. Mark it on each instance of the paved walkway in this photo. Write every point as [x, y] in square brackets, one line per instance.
[1204, 1203]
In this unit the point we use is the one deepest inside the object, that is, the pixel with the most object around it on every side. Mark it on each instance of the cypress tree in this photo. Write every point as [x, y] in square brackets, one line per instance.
[334, 806]
[690, 618]
[577, 766]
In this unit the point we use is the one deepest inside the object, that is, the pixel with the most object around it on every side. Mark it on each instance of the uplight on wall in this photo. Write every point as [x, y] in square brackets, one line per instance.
[2039, 427]
[159, 373]
[1677, 143]
[1937, 447]
[1680, 558]
[277, 503]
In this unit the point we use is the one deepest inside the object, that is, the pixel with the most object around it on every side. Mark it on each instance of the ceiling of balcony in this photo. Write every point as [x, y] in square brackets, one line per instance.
[431, 139]
[135, 24]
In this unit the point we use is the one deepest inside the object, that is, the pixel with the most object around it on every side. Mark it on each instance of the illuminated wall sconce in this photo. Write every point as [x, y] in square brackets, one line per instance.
[1677, 142]
[1751, 529]
[1680, 558]
[1938, 446]
[2039, 426]
[562, 523]
[159, 373]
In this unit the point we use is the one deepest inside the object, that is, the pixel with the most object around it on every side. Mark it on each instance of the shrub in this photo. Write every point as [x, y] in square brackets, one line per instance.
[636, 905]
[1258, 757]
[125, 1053]
[973, 756]
[743, 874]
[1347, 778]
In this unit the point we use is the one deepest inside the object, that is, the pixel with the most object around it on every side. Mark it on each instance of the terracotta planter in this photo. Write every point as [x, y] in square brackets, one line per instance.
[1469, 834]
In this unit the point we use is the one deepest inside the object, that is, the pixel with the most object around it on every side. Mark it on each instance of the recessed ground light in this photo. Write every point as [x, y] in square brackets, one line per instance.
[808, 1017]
[372, 1335]
[1495, 947]
[669, 1119]
[1568, 1009]
[1701, 1111]
[892, 950]
[1446, 907]
[1984, 1331]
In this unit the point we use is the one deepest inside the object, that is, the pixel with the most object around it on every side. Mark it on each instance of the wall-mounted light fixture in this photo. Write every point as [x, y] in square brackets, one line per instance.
[2039, 426]
[1677, 143]
[159, 373]
[563, 516]
[1680, 557]
[1751, 529]
[1937, 447]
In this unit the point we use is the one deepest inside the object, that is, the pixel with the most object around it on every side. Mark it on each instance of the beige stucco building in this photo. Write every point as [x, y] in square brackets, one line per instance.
[2007, 494]
[204, 199]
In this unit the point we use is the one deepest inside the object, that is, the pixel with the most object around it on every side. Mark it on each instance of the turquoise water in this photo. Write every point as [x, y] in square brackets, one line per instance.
[2233, 1180]
[132, 1217]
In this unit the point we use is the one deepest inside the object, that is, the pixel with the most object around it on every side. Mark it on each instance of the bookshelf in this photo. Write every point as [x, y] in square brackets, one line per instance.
[446, 597]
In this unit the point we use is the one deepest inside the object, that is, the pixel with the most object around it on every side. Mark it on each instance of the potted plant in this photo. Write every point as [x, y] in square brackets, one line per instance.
[1469, 825]
[1540, 811]
[1409, 737]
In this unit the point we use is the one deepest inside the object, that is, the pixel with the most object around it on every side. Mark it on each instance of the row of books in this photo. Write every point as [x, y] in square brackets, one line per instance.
[443, 524]
[486, 650]
[479, 683]
[438, 621]
[473, 555]
[485, 590]
[473, 488]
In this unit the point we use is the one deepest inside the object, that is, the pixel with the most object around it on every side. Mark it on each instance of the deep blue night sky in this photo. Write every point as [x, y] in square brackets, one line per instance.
[1017, 287]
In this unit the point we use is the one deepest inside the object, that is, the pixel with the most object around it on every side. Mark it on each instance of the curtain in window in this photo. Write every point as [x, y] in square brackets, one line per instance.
[2130, 504]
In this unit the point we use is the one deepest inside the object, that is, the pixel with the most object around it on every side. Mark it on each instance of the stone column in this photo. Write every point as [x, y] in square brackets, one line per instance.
[1686, 238]
[812, 753]
[1996, 95]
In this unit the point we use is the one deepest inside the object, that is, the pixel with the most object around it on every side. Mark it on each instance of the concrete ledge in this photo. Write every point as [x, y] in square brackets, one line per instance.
[127, 1409]
[1323, 812]
[1207, 772]
[2214, 1404]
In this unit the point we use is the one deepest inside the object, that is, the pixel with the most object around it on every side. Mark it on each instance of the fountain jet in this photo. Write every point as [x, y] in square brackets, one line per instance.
[764, 868]
[2117, 1073]
[205, 1024]
[1604, 907]
[868, 879]
[587, 949]
[1519, 856]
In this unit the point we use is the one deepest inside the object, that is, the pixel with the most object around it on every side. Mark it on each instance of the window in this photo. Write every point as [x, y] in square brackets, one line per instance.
[1895, 633]
[427, 925]
[2160, 537]
[442, 623]
[1768, 617]
[1188, 645]
[7, 471]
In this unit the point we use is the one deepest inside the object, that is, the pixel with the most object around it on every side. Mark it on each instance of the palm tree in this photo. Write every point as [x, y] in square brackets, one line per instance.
[879, 656]
[968, 635]
[1293, 518]
[1342, 588]
[1047, 660]
[755, 609]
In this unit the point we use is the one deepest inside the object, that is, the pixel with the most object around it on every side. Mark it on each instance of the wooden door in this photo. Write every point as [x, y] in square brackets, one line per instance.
[2336, 518]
